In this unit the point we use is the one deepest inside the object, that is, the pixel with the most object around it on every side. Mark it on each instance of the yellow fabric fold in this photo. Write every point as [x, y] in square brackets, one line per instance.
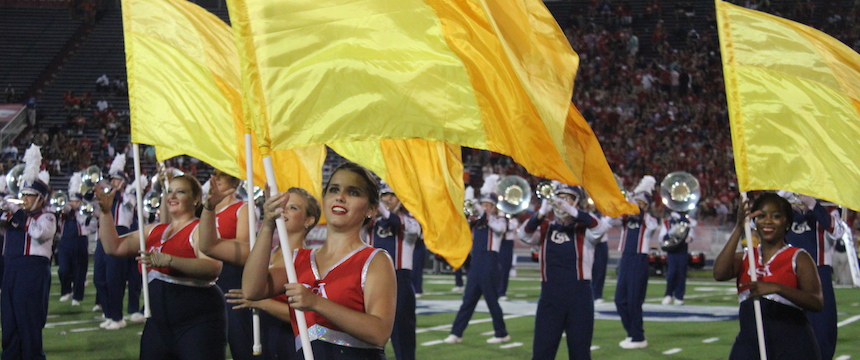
[185, 93]
[476, 73]
[427, 177]
[792, 93]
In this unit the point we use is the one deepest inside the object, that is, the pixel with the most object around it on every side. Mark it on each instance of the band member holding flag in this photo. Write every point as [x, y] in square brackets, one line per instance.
[301, 212]
[27, 259]
[346, 288]
[188, 313]
[566, 256]
[787, 284]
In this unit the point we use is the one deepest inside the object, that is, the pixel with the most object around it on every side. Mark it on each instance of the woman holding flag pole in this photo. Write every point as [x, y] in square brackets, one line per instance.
[188, 313]
[346, 290]
[787, 284]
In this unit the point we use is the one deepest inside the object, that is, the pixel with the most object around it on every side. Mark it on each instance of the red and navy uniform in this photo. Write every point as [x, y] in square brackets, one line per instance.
[677, 259]
[72, 252]
[808, 232]
[633, 272]
[239, 326]
[483, 275]
[566, 302]
[787, 332]
[189, 318]
[110, 274]
[343, 284]
[26, 283]
[390, 234]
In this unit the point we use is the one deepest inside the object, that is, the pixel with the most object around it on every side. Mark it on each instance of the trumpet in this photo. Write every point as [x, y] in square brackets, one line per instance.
[544, 190]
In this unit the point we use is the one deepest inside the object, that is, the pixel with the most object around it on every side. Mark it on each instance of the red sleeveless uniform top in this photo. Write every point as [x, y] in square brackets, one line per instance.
[780, 269]
[179, 245]
[226, 220]
[343, 284]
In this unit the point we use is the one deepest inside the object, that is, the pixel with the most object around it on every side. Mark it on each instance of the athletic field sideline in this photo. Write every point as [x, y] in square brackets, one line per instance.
[703, 328]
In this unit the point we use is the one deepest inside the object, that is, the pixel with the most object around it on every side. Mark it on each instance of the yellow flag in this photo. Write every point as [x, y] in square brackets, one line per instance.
[484, 74]
[427, 177]
[185, 92]
[794, 105]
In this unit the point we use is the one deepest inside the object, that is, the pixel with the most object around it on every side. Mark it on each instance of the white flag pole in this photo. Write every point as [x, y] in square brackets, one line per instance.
[288, 260]
[138, 194]
[759, 325]
[252, 230]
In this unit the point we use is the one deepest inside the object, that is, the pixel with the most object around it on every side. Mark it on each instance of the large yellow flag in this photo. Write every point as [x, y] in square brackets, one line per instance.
[495, 75]
[427, 177]
[185, 92]
[794, 105]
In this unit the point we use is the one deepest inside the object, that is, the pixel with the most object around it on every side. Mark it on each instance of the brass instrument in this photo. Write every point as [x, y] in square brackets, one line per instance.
[151, 202]
[680, 191]
[544, 190]
[259, 194]
[515, 195]
[469, 207]
[13, 182]
[58, 200]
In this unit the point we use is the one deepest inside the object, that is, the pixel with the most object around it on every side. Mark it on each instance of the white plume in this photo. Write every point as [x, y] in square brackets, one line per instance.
[470, 193]
[45, 177]
[2, 183]
[75, 183]
[118, 164]
[133, 187]
[490, 183]
[32, 164]
[646, 185]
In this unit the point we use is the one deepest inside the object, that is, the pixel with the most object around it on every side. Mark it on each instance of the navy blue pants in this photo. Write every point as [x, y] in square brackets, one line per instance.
[24, 306]
[99, 274]
[598, 269]
[328, 351]
[483, 279]
[630, 293]
[676, 274]
[564, 307]
[110, 275]
[187, 323]
[403, 334]
[240, 331]
[824, 323]
[787, 334]
[279, 342]
[418, 256]
[74, 259]
[135, 285]
[506, 259]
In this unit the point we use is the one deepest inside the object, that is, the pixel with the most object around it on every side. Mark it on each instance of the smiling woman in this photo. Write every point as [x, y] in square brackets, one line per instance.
[787, 284]
[346, 288]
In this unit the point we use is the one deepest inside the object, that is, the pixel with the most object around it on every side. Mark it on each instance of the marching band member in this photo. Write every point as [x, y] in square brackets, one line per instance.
[810, 223]
[395, 231]
[72, 251]
[676, 258]
[227, 239]
[566, 302]
[27, 254]
[633, 267]
[110, 274]
[787, 284]
[346, 288]
[188, 314]
[301, 212]
[483, 276]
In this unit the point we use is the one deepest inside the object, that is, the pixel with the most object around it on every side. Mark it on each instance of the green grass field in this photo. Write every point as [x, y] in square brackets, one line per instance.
[73, 333]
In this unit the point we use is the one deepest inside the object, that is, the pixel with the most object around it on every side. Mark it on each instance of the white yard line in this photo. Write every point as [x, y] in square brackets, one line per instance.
[848, 321]
[672, 351]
